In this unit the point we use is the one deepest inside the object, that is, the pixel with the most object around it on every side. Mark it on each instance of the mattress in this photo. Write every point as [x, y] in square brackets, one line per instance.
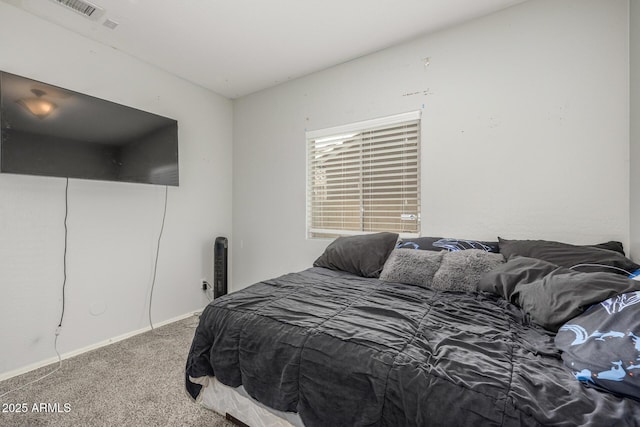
[235, 402]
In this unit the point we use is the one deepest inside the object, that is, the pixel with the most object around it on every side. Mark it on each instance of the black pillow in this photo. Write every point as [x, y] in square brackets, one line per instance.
[552, 295]
[602, 345]
[447, 244]
[566, 255]
[363, 255]
[611, 245]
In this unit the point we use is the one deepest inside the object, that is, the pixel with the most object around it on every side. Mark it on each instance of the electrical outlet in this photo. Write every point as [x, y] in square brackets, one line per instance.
[205, 285]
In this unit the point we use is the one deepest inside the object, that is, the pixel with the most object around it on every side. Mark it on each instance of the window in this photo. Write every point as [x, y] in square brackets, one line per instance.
[365, 178]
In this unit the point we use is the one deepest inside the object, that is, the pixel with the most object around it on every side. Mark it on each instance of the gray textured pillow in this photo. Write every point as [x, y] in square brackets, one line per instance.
[462, 270]
[411, 266]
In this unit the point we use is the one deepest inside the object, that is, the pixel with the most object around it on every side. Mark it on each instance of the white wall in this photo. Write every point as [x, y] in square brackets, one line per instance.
[113, 227]
[525, 133]
[634, 53]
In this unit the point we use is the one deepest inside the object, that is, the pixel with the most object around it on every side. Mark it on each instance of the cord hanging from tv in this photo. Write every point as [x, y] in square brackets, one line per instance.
[50, 131]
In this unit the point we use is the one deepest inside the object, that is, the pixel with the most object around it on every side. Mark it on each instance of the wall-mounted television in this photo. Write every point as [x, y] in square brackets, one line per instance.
[51, 131]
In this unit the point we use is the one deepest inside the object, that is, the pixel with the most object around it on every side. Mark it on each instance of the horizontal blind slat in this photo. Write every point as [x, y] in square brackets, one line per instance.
[337, 185]
[364, 180]
[370, 174]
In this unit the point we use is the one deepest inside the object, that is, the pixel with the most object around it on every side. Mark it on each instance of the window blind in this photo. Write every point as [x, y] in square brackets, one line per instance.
[365, 178]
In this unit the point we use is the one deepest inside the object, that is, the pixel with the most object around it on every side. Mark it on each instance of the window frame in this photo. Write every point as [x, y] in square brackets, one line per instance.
[360, 127]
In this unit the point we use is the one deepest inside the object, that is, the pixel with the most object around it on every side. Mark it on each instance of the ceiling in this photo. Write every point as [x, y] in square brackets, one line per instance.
[236, 47]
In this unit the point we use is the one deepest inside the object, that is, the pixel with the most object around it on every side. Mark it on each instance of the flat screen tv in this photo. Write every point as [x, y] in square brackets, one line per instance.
[51, 131]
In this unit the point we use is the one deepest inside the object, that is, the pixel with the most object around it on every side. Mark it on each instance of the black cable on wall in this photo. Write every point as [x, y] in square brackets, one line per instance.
[155, 266]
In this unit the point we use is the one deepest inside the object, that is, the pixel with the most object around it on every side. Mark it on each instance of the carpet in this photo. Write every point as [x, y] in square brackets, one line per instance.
[135, 382]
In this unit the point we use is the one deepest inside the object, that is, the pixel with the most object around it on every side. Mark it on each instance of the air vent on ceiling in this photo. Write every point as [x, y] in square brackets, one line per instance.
[82, 7]
[111, 24]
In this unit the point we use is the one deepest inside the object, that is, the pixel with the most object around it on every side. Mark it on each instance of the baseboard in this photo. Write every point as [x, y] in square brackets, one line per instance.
[43, 363]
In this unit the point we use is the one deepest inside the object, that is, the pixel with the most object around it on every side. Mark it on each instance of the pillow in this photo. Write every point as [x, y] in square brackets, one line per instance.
[507, 278]
[363, 255]
[611, 245]
[549, 294]
[566, 255]
[462, 270]
[602, 345]
[447, 244]
[411, 266]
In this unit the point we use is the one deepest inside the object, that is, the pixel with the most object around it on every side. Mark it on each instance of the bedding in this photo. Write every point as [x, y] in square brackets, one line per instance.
[462, 270]
[606, 257]
[344, 350]
[550, 294]
[363, 255]
[236, 403]
[602, 346]
[454, 270]
[447, 244]
[411, 267]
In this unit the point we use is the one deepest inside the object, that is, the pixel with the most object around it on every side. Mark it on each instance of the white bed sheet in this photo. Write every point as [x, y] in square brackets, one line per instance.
[237, 403]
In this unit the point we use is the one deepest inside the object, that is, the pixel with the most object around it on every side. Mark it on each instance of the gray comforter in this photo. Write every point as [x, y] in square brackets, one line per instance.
[343, 350]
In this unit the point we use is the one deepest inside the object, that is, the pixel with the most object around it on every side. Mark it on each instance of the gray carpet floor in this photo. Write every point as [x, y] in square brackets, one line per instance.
[135, 382]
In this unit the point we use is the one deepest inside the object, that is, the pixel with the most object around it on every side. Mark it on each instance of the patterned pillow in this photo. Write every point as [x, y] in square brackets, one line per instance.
[602, 345]
[447, 244]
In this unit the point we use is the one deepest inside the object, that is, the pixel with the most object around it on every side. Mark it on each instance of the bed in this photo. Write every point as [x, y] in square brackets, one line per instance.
[507, 333]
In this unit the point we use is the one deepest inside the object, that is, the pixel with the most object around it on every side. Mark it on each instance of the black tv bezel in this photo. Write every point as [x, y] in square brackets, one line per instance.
[97, 103]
